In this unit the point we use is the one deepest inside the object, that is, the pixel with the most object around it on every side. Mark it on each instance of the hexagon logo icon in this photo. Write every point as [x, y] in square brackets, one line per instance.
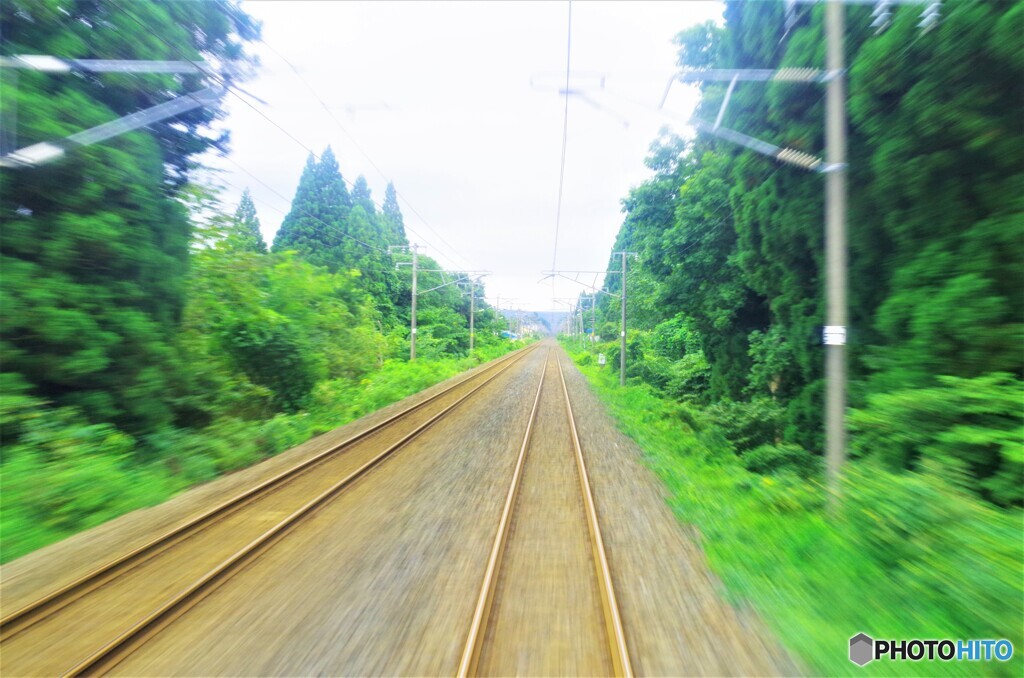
[862, 649]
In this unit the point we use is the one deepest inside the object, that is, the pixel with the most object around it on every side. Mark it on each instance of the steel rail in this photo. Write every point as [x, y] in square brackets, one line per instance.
[41, 608]
[474, 642]
[613, 620]
[618, 650]
[112, 653]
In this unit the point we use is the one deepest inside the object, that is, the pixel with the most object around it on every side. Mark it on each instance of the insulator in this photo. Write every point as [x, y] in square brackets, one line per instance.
[797, 74]
[798, 158]
[930, 16]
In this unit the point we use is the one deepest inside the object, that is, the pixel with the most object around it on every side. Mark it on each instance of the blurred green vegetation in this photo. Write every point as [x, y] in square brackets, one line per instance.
[62, 474]
[726, 306]
[270, 350]
[148, 339]
[726, 302]
[906, 555]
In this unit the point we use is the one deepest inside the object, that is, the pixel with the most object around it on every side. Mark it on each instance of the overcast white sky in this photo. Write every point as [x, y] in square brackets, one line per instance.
[458, 104]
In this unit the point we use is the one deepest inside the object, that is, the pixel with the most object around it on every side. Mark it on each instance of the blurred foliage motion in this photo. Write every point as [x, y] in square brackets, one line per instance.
[149, 340]
[906, 555]
[727, 294]
[726, 306]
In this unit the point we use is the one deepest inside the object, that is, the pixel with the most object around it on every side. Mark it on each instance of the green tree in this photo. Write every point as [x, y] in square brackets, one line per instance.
[245, 232]
[732, 243]
[95, 247]
[315, 224]
[391, 216]
[361, 196]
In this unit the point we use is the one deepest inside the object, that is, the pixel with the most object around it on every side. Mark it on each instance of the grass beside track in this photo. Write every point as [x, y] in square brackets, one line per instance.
[73, 476]
[904, 557]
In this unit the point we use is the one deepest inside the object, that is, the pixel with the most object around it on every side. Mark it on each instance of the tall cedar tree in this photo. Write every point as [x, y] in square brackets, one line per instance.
[94, 247]
[245, 232]
[315, 224]
[391, 215]
[330, 227]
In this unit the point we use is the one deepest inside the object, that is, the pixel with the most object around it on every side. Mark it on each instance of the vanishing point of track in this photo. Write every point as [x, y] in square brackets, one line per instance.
[77, 602]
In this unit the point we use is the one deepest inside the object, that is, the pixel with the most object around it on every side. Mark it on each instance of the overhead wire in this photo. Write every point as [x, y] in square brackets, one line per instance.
[231, 90]
[366, 155]
[565, 139]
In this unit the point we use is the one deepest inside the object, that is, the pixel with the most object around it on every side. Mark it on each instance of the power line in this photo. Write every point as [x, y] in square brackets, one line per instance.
[366, 155]
[565, 138]
[228, 88]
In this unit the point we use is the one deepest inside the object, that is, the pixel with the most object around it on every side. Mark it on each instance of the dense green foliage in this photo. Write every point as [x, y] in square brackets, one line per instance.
[94, 248]
[726, 306]
[727, 302]
[271, 350]
[905, 555]
[148, 339]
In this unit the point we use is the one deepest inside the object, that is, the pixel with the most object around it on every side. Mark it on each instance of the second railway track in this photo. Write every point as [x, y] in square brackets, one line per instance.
[547, 602]
[85, 626]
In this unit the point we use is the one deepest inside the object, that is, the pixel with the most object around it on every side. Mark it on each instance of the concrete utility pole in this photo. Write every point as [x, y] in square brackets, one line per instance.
[414, 248]
[412, 331]
[835, 246]
[622, 333]
[472, 309]
[835, 168]
[472, 314]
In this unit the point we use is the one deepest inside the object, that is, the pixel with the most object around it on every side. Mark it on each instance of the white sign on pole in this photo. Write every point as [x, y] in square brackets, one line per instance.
[834, 335]
[601, 360]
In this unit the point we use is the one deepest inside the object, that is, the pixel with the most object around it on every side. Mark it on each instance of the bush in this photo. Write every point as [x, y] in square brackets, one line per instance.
[772, 459]
[274, 355]
[970, 428]
[747, 425]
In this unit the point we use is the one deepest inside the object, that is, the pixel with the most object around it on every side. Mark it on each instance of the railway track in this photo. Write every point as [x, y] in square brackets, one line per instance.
[92, 623]
[547, 602]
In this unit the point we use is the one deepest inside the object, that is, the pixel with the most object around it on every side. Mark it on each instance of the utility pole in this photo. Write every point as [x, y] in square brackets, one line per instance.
[472, 309]
[622, 343]
[834, 166]
[414, 248]
[835, 246]
[412, 332]
[416, 270]
[472, 314]
[583, 338]
[622, 333]
[593, 321]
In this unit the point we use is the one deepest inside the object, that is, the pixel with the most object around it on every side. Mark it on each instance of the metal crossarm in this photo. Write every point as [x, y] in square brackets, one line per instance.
[45, 151]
